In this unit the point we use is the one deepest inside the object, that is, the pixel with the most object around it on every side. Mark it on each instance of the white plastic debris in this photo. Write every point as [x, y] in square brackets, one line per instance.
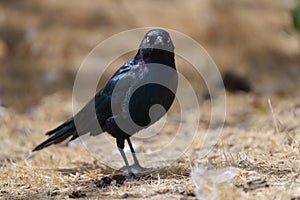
[207, 179]
[3, 111]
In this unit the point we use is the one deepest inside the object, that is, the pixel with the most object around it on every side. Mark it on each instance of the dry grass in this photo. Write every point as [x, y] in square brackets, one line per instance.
[40, 51]
[269, 161]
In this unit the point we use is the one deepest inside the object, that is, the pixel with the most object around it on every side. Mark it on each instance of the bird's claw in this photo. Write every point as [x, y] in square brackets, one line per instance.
[131, 175]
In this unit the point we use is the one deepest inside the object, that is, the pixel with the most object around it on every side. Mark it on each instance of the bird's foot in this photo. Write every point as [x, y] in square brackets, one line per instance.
[134, 169]
[137, 168]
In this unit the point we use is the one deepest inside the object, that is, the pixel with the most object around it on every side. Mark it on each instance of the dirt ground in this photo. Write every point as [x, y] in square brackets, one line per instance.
[43, 43]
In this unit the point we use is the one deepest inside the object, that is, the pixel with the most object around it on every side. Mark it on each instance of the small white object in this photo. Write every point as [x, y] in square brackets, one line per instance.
[207, 179]
[3, 111]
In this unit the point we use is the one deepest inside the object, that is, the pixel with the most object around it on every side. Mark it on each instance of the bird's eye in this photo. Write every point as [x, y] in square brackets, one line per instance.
[149, 40]
[168, 40]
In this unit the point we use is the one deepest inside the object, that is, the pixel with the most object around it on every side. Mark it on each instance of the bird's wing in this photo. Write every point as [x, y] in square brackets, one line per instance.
[98, 110]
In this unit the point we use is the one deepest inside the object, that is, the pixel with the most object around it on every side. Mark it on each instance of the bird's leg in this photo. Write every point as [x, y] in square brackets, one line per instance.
[136, 167]
[130, 173]
[136, 162]
[120, 144]
[125, 159]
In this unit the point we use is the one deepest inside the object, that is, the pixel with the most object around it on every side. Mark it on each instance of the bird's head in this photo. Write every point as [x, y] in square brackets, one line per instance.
[157, 39]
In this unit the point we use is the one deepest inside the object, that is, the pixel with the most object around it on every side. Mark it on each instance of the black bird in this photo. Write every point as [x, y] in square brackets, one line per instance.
[127, 102]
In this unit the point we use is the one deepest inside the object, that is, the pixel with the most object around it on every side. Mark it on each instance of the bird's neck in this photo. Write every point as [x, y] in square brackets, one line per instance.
[156, 56]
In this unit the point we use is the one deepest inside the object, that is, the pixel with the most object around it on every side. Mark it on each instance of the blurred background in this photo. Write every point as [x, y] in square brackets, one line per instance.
[42, 43]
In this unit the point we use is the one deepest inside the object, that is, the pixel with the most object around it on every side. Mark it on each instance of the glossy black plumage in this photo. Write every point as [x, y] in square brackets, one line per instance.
[135, 85]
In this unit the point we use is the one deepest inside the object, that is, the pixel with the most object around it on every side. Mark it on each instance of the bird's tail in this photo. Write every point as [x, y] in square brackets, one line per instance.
[59, 134]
